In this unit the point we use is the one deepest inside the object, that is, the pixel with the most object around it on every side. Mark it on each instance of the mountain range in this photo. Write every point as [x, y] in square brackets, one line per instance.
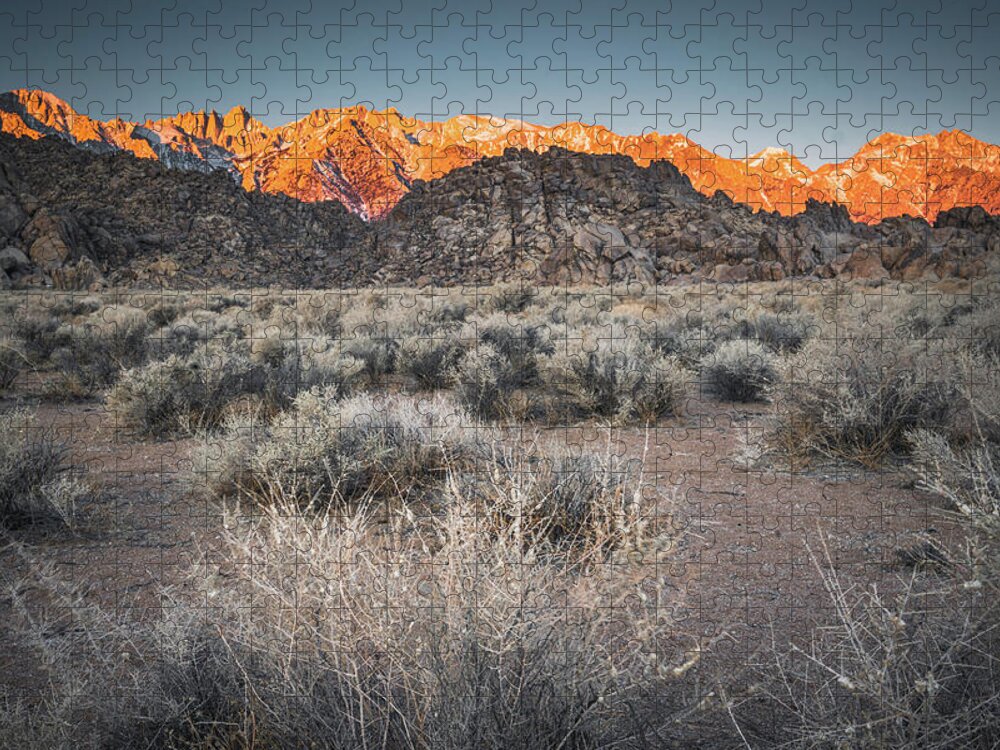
[369, 160]
[77, 218]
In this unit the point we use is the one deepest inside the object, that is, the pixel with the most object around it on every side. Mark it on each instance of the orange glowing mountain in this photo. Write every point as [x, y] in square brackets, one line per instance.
[368, 159]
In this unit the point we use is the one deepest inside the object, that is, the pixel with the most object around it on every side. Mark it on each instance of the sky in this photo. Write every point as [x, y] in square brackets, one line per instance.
[816, 78]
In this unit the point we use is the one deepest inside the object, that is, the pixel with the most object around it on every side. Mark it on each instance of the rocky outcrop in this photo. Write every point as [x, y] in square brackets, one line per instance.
[53, 238]
[13, 260]
[368, 160]
[560, 218]
[563, 217]
[79, 219]
[76, 219]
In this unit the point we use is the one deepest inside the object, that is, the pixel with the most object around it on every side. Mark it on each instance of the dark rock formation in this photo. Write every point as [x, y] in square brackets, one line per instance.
[133, 221]
[75, 219]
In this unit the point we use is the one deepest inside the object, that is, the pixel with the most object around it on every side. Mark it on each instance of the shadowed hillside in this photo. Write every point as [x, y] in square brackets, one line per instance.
[75, 219]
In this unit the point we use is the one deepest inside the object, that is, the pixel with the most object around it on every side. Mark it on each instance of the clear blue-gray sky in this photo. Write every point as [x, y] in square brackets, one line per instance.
[818, 78]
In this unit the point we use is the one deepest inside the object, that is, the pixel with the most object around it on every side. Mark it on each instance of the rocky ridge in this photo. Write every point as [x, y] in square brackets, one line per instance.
[368, 159]
[561, 218]
[73, 218]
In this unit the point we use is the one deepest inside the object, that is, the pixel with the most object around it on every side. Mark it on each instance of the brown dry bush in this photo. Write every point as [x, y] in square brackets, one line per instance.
[378, 628]
[34, 480]
[622, 378]
[12, 361]
[548, 499]
[381, 636]
[916, 666]
[183, 394]
[857, 399]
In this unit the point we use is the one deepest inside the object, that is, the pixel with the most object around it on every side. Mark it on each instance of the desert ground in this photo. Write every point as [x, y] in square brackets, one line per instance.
[704, 515]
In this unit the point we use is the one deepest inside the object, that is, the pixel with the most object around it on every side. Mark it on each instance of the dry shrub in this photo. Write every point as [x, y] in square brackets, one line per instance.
[431, 359]
[376, 636]
[316, 363]
[199, 329]
[914, 666]
[221, 301]
[623, 379]
[553, 500]
[968, 479]
[184, 394]
[39, 334]
[369, 632]
[914, 669]
[690, 342]
[97, 350]
[521, 343]
[326, 451]
[12, 361]
[975, 407]
[163, 313]
[34, 485]
[858, 399]
[741, 370]
[70, 306]
[448, 312]
[377, 353]
[511, 298]
[293, 365]
[981, 328]
[575, 310]
[781, 303]
[779, 333]
[486, 383]
[304, 315]
[320, 315]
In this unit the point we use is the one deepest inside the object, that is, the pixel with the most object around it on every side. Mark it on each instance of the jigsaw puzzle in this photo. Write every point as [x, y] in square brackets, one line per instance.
[557, 375]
